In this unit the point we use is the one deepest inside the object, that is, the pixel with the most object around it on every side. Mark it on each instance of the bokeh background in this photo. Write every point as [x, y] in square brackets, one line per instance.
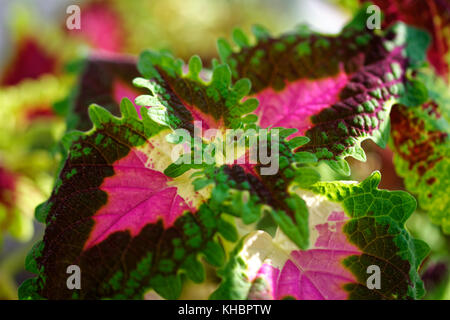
[38, 71]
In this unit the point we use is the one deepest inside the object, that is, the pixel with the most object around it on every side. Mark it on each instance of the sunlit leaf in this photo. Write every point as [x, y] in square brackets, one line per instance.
[336, 90]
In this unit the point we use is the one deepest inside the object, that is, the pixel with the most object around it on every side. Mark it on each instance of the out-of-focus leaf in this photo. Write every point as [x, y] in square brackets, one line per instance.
[431, 15]
[104, 80]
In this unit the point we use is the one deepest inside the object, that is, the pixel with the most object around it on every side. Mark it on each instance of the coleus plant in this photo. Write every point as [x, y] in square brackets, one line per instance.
[420, 135]
[134, 220]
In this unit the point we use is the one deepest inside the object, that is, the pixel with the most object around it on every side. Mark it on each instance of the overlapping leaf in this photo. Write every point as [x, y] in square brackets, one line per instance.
[30, 130]
[104, 80]
[420, 140]
[100, 18]
[337, 90]
[113, 203]
[432, 15]
[354, 227]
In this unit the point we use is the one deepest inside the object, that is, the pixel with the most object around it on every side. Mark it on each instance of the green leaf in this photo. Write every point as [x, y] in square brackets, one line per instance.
[352, 227]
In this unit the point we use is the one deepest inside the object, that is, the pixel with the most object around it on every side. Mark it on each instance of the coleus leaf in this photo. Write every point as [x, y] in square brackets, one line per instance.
[272, 192]
[115, 214]
[336, 90]
[353, 226]
[178, 99]
[421, 145]
[100, 19]
[432, 15]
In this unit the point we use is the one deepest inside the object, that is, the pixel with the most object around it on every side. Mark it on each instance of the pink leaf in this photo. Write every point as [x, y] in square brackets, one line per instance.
[152, 199]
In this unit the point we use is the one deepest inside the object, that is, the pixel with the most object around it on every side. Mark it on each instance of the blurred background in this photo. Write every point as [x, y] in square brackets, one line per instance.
[40, 62]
